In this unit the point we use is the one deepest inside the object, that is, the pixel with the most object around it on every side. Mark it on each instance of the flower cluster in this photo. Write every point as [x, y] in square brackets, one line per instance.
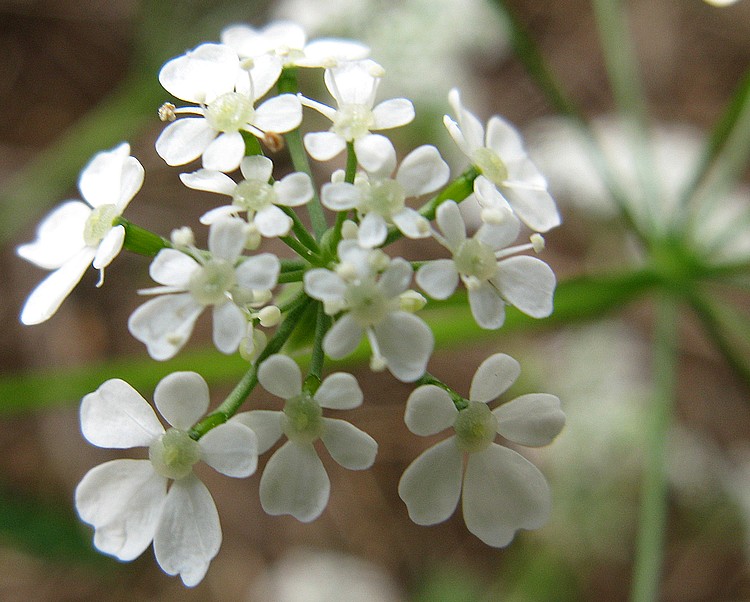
[242, 106]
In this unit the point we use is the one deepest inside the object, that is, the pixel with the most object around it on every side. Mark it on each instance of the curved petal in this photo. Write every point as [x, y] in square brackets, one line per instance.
[280, 375]
[266, 424]
[295, 482]
[230, 326]
[422, 171]
[324, 285]
[350, 447]
[451, 224]
[339, 391]
[471, 132]
[353, 82]
[487, 307]
[122, 500]
[431, 484]
[109, 247]
[372, 231]
[182, 398]
[343, 337]
[59, 236]
[324, 146]
[493, 377]
[100, 181]
[256, 167]
[438, 278]
[294, 190]
[218, 213]
[279, 114]
[429, 410]
[533, 206]
[272, 221]
[184, 140]
[396, 278]
[411, 223]
[340, 196]
[320, 52]
[259, 272]
[264, 73]
[534, 419]
[189, 533]
[225, 152]
[231, 448]
[164, 324]
[527, 283]
[173, 268]
[393, 113]
[117, 417]
[374, 153]
[209, 180]
[226, 238]
[503, 492]
[202, 74]
[504, 139]
[406, 362]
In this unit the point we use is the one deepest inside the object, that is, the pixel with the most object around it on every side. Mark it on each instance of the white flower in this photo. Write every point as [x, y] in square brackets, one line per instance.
[165, 323]
[366, 286]
[127, 502]
[294, 480]
[721, 2]
[287, 43]
[381, 200]
[77, 234]
[522, 281]
[212, 77]
[353, 86]
[502, 491]
[501, 158]
[254, 194]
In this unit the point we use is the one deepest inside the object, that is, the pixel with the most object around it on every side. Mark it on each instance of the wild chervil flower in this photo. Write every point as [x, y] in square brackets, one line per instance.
[381, 200]
[502, 491]
[77, 233]
[491, 278]
[353, 86]
[294, 480]
[127, 501]
[501, 158]
[212, 77]
[254, 194]
[366, 289]
[190, 284]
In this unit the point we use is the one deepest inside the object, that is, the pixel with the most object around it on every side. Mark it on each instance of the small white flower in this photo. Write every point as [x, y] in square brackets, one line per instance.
[502, 159]
[366, 287]
[294, 480]
[127, 501]
[353, 86]
[502, 491]
[165, 323]
[254, 194]
[77, 234]
[287, 43]
[492, 282]
[381, 200]
[212, 77]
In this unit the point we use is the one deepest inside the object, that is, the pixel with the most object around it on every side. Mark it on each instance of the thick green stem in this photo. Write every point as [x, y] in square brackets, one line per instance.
[300, 249]
[300, 231]
[315, 374]
[141, 241]
[653, 509]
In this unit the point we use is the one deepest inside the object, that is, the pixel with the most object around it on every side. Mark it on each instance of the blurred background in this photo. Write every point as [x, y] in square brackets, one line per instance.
[79, 77]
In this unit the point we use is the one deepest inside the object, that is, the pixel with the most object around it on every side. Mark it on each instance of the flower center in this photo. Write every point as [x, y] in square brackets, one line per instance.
[253, 195]
[366, 302]
[353, 121]
[173, 454]
[385, 197]
[304, 419]
[230, 112]
[474, 258]
[491, 165]
[210, 284]
[98, 224]
[476, 427]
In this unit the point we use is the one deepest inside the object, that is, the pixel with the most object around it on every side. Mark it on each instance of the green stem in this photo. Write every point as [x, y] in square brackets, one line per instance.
[300, 249]
[300, 230]
[291, 276]
[315, 374]
[653, 507]
[141, 241]
[429, 379]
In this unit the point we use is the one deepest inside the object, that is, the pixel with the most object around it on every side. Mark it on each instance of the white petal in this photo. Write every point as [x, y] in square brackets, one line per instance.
[272, 221]
[323, 146]
[343, 337]
[352, 82]
[498, 236]
[324, 285]
[393, 113]
[122, 500]
[231, 448]
[257, 167]
[411, 224]
[182, 398]
[488, 195]
[372, 231]
[165, 323]
[280, 375]
[219, 213]
[259, 272]
[184, 140]
[266, 424]
[202, 74]
[209, 180]
[339, 391]
[471, 129]
[293, 190]
[494, 377]
[226, 238]
[230, 326]
[173, 268]
[534, 419]
[350, 447]
[100, 180]
[487, 307]
[264, 73]
[189, 533]
[527, 283]
[225, 152]
[279, 114]
[396, 278]
[373, 152]
[109, 247]
[503, 492]
[49, 294]
[340, 196]
[422, 171]
[406, 362]
[534, 207]
[320, 52]
[59, 236]
[131, 180]
[117, 417]
[429, 410]
[295, 482]
[438, 278]
[431, 484]
[451, 224]
[504, 139]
